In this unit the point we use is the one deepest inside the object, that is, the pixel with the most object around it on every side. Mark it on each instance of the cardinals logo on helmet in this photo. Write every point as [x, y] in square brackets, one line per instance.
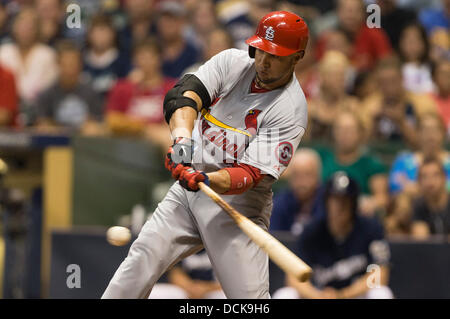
[270, 33]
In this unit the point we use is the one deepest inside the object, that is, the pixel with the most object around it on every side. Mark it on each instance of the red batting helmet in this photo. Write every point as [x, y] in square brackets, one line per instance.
[279, 33]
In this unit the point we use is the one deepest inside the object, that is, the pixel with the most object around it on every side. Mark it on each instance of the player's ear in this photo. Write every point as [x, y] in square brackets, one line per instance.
[301, 54]
[298, 56]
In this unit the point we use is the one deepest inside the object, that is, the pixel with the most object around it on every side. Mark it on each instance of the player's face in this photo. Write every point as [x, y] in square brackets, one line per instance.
[272, 70]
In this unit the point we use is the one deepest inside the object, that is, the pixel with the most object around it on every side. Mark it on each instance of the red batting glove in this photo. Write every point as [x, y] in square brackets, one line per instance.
[189, 178]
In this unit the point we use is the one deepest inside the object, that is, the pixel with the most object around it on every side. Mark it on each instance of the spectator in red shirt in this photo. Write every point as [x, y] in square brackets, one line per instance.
[368, 44]
[8, 97]
[134, 105]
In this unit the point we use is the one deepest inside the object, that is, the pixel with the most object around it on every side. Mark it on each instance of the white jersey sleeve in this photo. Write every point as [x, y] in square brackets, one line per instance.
[222, 71]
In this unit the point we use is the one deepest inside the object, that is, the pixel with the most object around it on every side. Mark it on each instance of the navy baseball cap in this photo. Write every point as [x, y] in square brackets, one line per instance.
[342, 185]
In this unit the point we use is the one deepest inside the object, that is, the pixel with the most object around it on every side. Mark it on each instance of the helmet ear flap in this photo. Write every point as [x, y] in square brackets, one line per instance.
[251, 52]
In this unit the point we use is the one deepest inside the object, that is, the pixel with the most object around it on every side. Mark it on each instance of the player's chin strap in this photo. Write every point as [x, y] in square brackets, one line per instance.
[174, 98]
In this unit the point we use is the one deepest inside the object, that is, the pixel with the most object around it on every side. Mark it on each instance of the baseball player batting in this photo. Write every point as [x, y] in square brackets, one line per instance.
[236, 123]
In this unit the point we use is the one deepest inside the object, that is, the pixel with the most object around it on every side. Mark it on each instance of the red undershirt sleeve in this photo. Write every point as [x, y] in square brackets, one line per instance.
[243, 177]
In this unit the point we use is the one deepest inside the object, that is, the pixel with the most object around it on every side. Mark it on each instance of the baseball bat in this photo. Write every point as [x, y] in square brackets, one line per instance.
[280, 254]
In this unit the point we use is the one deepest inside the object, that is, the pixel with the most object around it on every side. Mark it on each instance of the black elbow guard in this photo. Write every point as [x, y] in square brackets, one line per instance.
[174, 98]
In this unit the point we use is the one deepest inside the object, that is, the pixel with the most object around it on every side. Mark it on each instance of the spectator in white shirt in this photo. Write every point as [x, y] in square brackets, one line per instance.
[414, 48]
[33, 63]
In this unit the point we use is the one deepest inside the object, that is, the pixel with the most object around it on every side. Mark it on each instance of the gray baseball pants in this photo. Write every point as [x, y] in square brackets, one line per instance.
[185, 222]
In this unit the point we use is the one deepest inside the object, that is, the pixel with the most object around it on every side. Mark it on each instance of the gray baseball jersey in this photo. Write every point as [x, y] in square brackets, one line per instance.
[258, 129]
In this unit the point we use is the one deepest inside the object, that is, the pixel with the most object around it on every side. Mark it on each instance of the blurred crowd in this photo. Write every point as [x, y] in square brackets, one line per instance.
[388, 84]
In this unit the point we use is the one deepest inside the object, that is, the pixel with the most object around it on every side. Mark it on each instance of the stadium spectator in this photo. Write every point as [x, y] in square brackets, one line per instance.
[33, 63]
[178, 54]
[309, 8]
[391, 113]
[404, 170]
[332, 97]
[139, 24]
[4, 32]
[349, 156]
[70, 103]
[418, 5]
[434, 18]
[432, 209]
[439, 45]
[8, 98]
[441, 77]
[240, 18]
[88, 9]
[217, 40]
[368, 44]
[339, 248]
[203, 20]
[413, 50]
[399, 218]
[192, 278]
[52, 26]
[103, 61]
[364, 85]
[296, 206]
[338, 40]
[134, 105]
[306, 71]
[394, 19]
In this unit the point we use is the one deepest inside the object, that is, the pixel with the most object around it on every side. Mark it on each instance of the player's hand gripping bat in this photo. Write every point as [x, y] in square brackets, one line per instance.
[280, 255]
